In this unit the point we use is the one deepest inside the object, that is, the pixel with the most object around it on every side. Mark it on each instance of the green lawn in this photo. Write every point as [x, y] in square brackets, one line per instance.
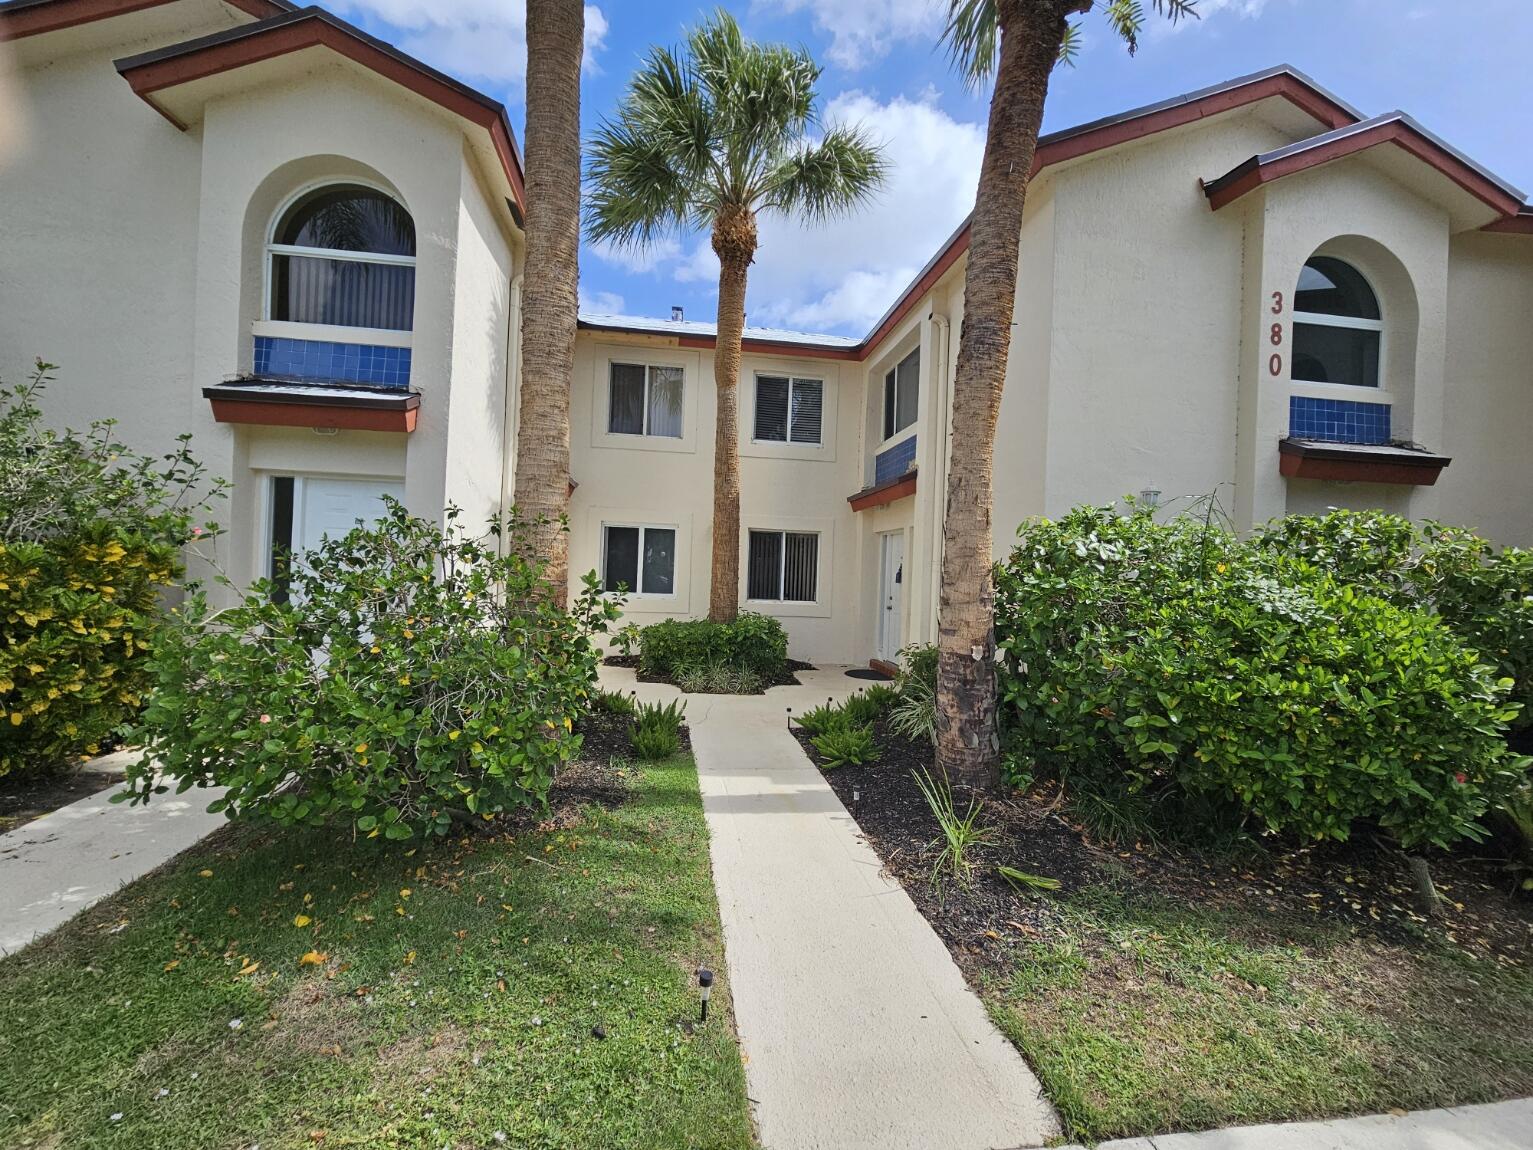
[448, 998]
[1143, 1015]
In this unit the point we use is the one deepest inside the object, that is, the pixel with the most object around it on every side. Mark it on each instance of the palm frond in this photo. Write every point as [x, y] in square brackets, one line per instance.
[973, 39]
[1126, 18]
[636, 193]
[1070, 46]
[829, 178]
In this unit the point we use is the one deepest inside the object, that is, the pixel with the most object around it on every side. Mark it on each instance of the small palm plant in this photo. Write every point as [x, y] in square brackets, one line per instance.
[708, 137]
[962, 833]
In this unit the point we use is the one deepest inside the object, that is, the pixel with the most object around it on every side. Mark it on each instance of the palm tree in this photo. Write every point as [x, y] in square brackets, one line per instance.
[709, 136]
[1018, 42]
[555, 43]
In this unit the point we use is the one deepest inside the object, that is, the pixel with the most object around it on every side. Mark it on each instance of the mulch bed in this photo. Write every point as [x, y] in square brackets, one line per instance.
[22, 800]
[1352, 883]
[788, 677]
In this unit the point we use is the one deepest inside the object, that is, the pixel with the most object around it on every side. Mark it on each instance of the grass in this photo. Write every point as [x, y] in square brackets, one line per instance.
[1141, 1016]
[448, 997]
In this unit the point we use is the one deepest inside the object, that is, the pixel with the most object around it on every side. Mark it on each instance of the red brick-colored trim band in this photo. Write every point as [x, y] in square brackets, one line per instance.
[273, 412]
[1520, 224]
[35, 19]
[770, 347]
[1254, 172]
[310, 30]
[883, 494]
[1303, 460]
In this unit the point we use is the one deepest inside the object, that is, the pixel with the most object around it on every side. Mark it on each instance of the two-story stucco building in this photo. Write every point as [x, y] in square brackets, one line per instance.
[262, 225]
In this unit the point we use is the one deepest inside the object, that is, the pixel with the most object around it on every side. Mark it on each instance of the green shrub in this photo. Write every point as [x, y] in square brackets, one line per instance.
[846, 745]
[914, 716]
[1175, 659]
[860, 710]
[654, 744]
[716, 677]
[90, 535]
[626, 638]
[881, 695]
[655, 717]
[818, 720]
[1483, 593]
[414, 674]
[612, 702]
[753, 643]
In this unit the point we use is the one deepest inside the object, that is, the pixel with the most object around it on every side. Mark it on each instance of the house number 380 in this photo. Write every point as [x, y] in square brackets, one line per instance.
[1275, 336]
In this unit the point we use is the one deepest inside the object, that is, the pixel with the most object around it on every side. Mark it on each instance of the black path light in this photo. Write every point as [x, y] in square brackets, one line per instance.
[705, 980]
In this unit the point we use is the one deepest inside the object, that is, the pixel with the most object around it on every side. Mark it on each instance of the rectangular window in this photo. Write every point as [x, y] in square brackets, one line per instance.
[644, 400]
[1326, 353]
[789, 410]
[902, 391]
[641, 560]
[342, 293]
[783, 566]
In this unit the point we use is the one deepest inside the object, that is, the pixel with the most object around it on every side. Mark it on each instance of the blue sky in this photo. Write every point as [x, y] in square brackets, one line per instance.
[1460, 68]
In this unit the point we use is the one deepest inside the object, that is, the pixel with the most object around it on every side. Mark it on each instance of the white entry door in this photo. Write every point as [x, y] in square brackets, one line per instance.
[306, 510]
[891, 586]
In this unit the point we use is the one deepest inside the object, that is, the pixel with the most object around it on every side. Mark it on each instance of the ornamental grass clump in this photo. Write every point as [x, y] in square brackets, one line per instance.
[411, 676]
[91, 535]
[1224, 681]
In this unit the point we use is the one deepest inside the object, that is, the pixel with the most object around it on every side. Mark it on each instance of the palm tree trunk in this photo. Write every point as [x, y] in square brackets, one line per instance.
[967, 738]
[734, 241]
[555, 43]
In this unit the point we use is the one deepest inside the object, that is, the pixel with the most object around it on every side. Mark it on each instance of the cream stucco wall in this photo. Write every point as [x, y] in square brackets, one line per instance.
[1488, 408]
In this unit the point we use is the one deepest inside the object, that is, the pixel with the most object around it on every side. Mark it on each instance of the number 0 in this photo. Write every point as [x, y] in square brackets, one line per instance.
[1275, 364]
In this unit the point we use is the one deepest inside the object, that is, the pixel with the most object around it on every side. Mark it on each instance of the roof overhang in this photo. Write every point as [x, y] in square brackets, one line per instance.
[1480, 198]
[22, 18]
[179, 80]
[883, 494]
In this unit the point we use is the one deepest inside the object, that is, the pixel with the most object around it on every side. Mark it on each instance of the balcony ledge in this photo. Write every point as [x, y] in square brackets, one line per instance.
[883, 494]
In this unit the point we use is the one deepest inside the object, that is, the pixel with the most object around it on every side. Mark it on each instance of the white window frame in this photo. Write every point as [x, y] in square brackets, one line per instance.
[793, 381]
[636, 593]
[332, 333]
[647, 433]
[1352, 323]
[883, 408]
[782, 563]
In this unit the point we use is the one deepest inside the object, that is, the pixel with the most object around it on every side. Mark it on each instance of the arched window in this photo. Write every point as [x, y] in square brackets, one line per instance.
[1337, 325]
[344, 255]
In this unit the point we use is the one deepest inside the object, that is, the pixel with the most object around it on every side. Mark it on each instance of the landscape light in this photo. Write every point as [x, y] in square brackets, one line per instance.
[705, 980]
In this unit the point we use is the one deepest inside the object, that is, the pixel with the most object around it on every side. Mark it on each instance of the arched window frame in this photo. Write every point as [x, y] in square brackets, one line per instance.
[394, 336]
[1353, 323]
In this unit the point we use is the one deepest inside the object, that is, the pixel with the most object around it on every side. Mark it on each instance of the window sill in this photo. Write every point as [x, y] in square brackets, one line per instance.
[328, 333]
[1355, 392]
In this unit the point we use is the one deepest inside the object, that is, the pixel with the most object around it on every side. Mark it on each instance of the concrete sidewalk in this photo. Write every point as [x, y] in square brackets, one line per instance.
[857, 1027]
[1499, 1126]
[54, 867]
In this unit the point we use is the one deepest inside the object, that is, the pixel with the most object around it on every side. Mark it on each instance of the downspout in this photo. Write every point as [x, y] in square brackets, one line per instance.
[511, 414]
[940, 458]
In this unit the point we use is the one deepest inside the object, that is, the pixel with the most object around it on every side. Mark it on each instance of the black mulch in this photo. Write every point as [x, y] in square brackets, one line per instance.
[869, 674]
[25, 799]
[787, 678]
[1355, 884]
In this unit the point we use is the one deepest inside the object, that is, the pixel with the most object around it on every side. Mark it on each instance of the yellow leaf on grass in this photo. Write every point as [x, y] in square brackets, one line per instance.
[313, 958]
[205, 873]
[301, 920]
[248, 968]
[404, 892]
[172, 964]
[410, 959]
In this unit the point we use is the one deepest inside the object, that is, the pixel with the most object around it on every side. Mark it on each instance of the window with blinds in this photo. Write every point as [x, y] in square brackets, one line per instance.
[639, 560]
[344, 256]
[644, 400]
[789, 410]
[902, 392]
[783, 566]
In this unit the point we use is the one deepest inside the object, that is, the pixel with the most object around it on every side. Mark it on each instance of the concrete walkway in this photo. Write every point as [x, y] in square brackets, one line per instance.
[1500, 1126]
[54, 867]
[858, 1029]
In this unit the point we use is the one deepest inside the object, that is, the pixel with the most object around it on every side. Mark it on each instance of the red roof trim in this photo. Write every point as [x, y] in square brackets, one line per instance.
[770, 347]
[885, 493]
[1258, 170]
[1520, 224]
[154, 72]
[35, 19]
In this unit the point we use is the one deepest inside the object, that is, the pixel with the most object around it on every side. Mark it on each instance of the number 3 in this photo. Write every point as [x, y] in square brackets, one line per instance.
[1277, 303]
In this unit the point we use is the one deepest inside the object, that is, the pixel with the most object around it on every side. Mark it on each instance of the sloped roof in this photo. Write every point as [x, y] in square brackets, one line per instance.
[22, 18]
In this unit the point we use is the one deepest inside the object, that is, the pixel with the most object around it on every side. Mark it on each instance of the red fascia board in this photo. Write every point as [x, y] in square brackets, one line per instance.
[1254, 173]
[154, 75]
[277, 413]
[770, 347]
[885, 493]
[1520, 224]
[35, 19]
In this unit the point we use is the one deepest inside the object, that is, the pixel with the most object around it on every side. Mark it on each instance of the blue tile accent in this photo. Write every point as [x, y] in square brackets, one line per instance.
[1338, 420]
[895, 461]
[332, 362]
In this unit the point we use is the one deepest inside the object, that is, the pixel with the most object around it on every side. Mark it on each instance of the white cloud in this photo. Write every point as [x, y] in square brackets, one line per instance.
[862, 31]
[638, 261]
[484, 39]
[601, 302]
